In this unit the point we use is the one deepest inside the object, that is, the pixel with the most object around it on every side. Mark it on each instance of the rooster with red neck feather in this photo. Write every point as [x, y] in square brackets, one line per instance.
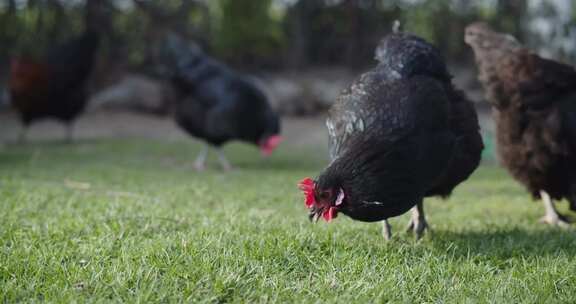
[400, 133]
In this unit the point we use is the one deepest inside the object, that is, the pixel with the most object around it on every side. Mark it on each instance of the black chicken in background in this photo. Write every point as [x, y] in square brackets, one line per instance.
[400, 133]
[54, 86]
[217, 104]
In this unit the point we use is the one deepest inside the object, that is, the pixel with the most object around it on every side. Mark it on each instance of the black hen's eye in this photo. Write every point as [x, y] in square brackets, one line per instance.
[325, 195]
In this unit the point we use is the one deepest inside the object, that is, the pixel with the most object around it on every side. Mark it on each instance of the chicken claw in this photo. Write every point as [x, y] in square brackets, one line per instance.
[418, 223]
[386, 230]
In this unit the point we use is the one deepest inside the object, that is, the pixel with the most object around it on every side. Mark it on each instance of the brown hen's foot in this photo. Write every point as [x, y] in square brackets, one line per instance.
[386, 230]
[418, 224]
[558, 221]
[552, 217]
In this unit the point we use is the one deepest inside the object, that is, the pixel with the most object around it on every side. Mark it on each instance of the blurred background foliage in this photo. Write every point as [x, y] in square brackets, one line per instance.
[280, 34]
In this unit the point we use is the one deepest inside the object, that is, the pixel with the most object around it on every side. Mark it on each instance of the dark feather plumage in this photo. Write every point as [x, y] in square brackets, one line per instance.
[217, 104]
[534, 107]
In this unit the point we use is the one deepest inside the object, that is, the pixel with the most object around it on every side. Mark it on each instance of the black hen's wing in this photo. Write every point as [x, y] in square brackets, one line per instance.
[344, 121]
[469, 144]
[205, 108]
[230, 108]
[244, 112]
[348, 117]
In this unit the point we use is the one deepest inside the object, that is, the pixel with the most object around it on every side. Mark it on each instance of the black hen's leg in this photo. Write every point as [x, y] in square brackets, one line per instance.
[200, 162]
[386, 230]
[552, 217]
[23, 135]
[69, 135]
[418, 222]
[226, 166]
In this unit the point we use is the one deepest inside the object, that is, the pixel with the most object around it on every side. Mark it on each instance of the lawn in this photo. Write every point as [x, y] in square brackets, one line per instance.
[130, 221]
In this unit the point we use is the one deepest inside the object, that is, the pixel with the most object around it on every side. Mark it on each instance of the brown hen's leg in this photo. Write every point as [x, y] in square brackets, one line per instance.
[200, 162]
[418, 222]
[386, 230]
[552, 217]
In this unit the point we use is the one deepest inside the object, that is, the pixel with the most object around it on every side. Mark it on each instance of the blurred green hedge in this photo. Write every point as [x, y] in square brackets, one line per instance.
[265, 33]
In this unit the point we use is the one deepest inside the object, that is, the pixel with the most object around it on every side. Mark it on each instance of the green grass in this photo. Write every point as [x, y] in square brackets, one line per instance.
[130, 221]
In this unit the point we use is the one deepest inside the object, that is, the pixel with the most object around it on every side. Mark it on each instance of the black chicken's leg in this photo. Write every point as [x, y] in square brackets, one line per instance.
[200, 162]
[386, 230]
[226, 166]
[418, 222]
[23, 135]
[69, 135]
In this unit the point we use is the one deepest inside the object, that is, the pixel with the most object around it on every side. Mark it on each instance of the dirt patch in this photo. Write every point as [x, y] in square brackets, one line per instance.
[113, 124]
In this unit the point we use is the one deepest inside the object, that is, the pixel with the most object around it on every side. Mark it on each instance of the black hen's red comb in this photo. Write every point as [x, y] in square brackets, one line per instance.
[307, 186]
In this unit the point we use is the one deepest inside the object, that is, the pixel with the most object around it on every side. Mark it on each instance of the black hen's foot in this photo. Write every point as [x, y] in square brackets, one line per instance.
[418, 227]
[69, 136]
[226, 166]
[200, 162]
[418, 224]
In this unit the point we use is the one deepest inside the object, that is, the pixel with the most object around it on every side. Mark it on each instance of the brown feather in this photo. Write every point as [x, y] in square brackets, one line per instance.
[534, 108]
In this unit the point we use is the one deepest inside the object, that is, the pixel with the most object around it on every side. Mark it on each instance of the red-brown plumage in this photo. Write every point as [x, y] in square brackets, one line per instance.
[28, 83]
[534, 107]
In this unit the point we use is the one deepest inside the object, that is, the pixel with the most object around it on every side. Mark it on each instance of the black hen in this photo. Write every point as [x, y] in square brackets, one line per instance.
[217, 104]
[398, 134]
[534, 106]
[56, 86]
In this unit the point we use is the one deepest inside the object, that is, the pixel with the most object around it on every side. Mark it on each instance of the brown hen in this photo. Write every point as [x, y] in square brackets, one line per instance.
[534, 106]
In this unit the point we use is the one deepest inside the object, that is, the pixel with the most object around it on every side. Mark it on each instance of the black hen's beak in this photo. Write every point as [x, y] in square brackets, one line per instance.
[315, 214]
